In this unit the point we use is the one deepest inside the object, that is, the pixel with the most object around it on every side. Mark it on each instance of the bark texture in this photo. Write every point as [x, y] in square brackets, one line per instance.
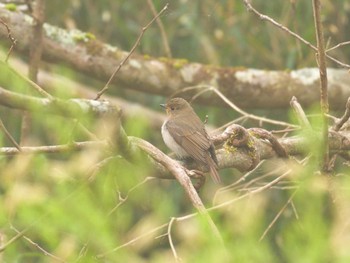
[248, 88]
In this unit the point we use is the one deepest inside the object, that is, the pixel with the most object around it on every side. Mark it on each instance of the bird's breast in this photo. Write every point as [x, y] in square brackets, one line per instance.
[171, 143]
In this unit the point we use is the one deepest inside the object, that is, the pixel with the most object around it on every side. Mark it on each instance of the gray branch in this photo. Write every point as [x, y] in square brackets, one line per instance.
[249, 88]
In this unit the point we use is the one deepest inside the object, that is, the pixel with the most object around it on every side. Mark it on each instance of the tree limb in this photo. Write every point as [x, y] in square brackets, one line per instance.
[245, 87]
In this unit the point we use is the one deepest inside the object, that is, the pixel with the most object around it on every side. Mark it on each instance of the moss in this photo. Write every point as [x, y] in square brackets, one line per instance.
[251, 148]
[83, 37]
[229, 148]
[176, 63]
[179, 63]
[146, 57]
[164, 59]
[11, 7]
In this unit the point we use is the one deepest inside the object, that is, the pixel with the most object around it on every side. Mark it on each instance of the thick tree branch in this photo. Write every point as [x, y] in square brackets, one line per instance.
[245, 87]
[68, 108]
[235, 152]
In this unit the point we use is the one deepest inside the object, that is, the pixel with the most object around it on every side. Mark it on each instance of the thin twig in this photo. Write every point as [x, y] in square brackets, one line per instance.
[9, 136]
[105, 88]
[300, 114]
[74, 146]
[277, 216]
[269, 19]
[177, 258]
[237, 182]
[235, 107]
[46, 253]
[321, 61]
[12, 39]
[30, 82]
[123, 200]
[344, 118]
[12, 240]
[189, 216]
[162, 30]
[248, 115]
[339, 45]
[132, 241]
[258, 190]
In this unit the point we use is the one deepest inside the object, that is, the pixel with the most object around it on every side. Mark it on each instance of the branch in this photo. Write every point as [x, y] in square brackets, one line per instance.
[300, 114]
[245, 87]
[339, 124]
[105, 88]
[321, 61]
[9, 136]
[67, 108]
[272, 21]
[64, 148]
[181, 175]
[12, 39]
[36, 44]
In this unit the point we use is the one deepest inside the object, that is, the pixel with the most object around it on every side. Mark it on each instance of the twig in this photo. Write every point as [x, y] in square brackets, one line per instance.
[277, 216]
[344, 118]
[12, 39]
[122, 200]
[75, 146]
[235, 107]
[264, 134]
[300, 114]
[46, 253]
[12, 240]
[269, 19]
[177, 258]
[237, 182]
[9, 136]
[162, 30]
[105, 88]
[248, 115]
[186, 217]
[321, 59]
[30, 82]
[339, 45]
[258, 190]
[132, 241]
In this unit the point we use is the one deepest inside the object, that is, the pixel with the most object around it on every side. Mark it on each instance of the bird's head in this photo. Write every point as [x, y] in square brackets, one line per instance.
[176, 106]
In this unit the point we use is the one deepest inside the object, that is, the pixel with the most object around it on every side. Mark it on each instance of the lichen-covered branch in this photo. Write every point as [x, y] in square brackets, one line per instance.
[163, 76]
[68, 108]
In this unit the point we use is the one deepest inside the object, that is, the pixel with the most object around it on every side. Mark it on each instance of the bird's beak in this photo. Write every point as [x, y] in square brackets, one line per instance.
[163, 106]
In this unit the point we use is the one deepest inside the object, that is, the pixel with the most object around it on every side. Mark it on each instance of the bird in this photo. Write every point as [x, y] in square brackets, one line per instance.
[184, 133]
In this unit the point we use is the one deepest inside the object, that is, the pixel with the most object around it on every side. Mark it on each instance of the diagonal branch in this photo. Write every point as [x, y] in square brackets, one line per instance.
[105, 88]
[181, 174]
[272, 21]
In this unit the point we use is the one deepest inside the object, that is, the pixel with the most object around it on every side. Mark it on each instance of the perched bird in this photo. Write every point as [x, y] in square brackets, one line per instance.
[184, 133]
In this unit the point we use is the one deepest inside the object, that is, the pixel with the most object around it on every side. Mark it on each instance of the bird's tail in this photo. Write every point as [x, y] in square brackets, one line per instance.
[213, 170]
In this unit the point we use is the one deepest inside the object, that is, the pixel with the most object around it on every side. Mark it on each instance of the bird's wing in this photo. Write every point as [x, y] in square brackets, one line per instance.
[194, 142]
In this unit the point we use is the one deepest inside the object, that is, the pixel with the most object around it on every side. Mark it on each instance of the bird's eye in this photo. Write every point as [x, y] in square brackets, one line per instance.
[172, 108]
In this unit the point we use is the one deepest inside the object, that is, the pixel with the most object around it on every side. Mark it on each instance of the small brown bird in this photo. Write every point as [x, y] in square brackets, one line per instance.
[184, 133]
